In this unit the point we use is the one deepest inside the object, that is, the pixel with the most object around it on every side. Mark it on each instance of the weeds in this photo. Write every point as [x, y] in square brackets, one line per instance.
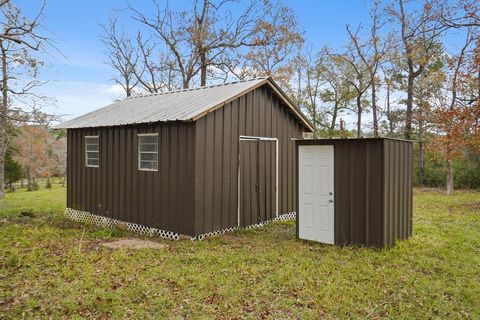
[264, 273]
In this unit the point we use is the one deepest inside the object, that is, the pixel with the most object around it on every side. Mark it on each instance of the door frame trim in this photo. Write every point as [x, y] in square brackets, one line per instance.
[255, 138]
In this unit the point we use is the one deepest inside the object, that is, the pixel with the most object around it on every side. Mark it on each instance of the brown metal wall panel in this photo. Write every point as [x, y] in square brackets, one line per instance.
[217, 184]
[210, 171]
[226, 162]
[232, 178]
[257, 181]
[373, 190]
[257, 113]
[117, 189]
[398, 189]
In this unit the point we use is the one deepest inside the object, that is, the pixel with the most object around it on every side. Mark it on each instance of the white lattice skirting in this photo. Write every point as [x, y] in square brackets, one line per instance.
[87, 217]
[282, 217]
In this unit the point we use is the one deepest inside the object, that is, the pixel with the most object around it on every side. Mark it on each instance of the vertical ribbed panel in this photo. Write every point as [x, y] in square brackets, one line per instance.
[118, 190]
[398, 171]
[373, 190]
[217, 145]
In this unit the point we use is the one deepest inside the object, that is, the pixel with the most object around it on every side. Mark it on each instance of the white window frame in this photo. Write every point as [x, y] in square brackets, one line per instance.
[152, 152]
[87, 151]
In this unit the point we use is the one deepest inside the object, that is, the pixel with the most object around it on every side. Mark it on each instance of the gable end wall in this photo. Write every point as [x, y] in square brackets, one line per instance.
[257, 113]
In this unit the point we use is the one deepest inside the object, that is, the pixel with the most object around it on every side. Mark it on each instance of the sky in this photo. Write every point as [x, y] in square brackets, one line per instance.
[78, 77]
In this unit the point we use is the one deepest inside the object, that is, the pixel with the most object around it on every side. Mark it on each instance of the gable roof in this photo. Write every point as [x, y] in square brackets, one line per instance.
[178, 105]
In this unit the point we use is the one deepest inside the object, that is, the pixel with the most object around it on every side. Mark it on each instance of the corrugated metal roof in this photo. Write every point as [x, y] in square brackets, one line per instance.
[178, 105]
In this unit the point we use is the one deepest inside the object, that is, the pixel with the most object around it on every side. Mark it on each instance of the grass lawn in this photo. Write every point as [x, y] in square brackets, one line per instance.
[50, 267]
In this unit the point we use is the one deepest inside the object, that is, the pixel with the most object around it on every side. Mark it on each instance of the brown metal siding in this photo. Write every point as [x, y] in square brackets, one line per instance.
[358, 192]
[117, 189]
[257, 181]
[257, 113]
[398, 173]
[373, 190]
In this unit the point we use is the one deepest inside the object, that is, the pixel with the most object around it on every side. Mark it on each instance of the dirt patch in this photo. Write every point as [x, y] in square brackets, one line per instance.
[134, 244]
[475, 206]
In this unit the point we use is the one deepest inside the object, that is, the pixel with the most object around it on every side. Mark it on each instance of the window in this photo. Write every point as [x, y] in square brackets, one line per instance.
[92, 151]
[148, 152]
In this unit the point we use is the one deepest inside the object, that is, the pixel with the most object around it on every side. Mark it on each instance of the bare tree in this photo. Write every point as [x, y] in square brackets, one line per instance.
[218, 39]
[336, 92]
[419, 32]
[123, 56]
[310, 92]
[173, 29]
[357, 73]
[18, 38]
[375, 59]
[278, 40]
[199, 38]
[389, 87]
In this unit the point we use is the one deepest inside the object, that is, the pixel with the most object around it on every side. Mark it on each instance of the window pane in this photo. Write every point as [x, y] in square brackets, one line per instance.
[148, 147]
[91, 140]
[92, 162]
[148, 152]
[92, 147]
[148, 139]
[92, 155]
[92, 151]
[148, 156]
[149, 165]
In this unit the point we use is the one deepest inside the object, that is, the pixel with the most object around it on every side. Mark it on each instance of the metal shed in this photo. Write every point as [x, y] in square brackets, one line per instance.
[354, 191]
[191, 162]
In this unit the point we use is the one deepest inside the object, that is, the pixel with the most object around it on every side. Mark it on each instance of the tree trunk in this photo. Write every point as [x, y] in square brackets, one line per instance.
[359, 117]
[128, 89]
[421, 163]
[21, 183]
[203, 68]
[342, 128]
[3, 119]
[29, 181]
[478, 85]
[449, 177]
[334, 120]
[421, 152]
[374, 108]
[409, 113]
[389, 114]
[2, 154]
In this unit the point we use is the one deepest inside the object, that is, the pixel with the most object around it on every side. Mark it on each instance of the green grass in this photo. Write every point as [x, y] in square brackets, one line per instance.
[43, 201]
[50, 267]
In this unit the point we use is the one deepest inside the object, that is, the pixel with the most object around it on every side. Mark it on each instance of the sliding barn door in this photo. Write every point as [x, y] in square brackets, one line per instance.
[258, 181]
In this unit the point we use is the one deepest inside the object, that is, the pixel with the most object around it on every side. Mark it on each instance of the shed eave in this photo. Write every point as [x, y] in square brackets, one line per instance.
[60, 126]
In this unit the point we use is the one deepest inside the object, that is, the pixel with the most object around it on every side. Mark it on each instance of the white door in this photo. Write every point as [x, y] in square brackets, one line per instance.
[315, 193]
